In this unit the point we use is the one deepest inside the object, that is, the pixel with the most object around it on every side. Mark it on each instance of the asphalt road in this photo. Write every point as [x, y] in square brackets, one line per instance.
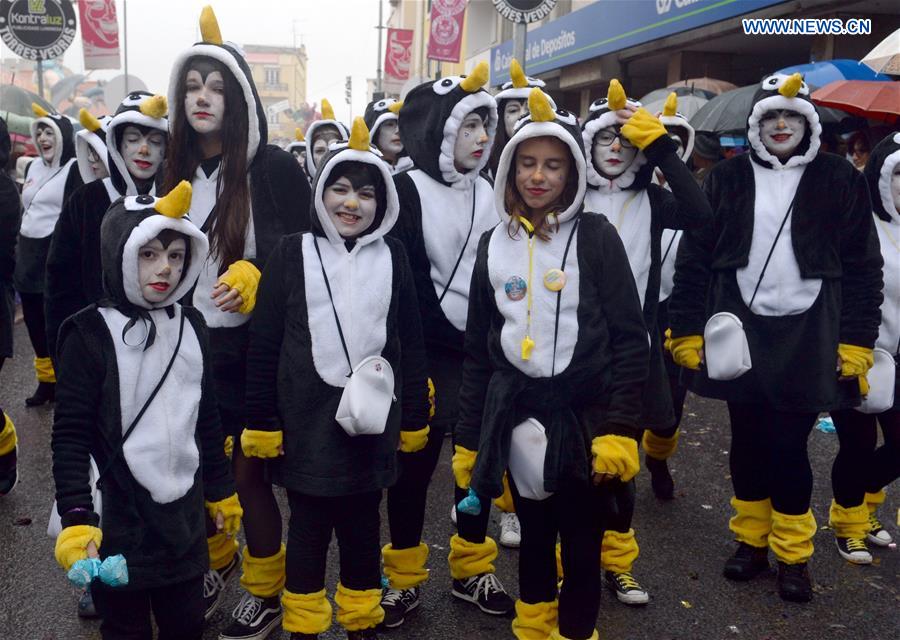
[683, 545]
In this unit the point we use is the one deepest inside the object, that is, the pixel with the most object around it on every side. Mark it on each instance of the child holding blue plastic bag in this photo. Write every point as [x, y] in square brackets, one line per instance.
[134, 393]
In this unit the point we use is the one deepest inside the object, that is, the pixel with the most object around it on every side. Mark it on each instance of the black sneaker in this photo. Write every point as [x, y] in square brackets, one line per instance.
[486, 592]
[397, 603]
[854, 550]
[626, 588]
[86, 608]
[254, 618]
[214, 583]
[362, 634]
[794, 583]
[746, 563]
[9, 472]
[877, 534]
[46, 392]
[660, 478]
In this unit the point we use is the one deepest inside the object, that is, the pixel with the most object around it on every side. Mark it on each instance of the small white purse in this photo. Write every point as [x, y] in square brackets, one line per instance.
[527, 450]
[725, 346]
[54, 526]
[366, 401]
[882, 380]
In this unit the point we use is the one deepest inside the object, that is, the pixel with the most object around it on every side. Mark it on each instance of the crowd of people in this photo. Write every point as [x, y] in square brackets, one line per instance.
[212, 316]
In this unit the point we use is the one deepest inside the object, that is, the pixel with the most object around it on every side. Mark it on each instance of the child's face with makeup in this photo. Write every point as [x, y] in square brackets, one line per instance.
[351, 209]
[160, 268]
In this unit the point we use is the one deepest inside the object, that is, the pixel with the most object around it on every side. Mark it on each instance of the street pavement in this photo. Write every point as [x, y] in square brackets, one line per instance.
[683, 545]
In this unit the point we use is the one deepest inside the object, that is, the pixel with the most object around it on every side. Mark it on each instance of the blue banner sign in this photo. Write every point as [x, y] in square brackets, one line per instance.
[613, 25]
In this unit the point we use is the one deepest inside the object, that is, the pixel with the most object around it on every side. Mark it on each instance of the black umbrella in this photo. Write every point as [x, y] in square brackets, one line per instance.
[18, 100]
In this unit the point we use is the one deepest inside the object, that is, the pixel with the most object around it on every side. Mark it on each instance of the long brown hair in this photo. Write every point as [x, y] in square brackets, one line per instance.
[232, 208]
[515, 203]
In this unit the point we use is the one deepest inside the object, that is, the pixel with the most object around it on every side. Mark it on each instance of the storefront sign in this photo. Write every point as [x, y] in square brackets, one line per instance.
[445, 40]
[37, 29]
[524, 10]
[99, 33]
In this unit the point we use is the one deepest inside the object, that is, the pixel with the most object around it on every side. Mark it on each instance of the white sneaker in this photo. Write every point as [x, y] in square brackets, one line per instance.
[453, 514]
[510, 531]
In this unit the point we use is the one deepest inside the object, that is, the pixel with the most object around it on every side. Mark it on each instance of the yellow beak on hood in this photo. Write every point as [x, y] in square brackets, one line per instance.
[327, 110]
[359, 135]
[87, 120]
[209, 26]
[39, 111]
[791, 86]
[517, 74]
[671, 106]
[539, 106]
[298, 135]
[177, 202]
[477, 79]
[155, 107]
[395, 108]
[615, 95]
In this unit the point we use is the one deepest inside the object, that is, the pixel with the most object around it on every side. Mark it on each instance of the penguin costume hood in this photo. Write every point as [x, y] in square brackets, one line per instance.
[433, 113]
[327, 119]
[519, 87]
[138, 108]
[601, 114]
[299, 143]
[93, 136]
[232, 58]
[780, 91]
[63, 131]
[543, 120]
[883, 160]
[677, 124]
[380, 111]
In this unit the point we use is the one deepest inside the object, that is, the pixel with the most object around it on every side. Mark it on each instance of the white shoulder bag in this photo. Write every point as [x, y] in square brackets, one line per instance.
[882, 383]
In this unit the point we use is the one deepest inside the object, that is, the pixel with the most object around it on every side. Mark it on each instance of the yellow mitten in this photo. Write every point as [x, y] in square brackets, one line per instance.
[412, 441]
[856, 362]
[463, 462]
[431, 393]
[229, 446]
[685, 350]
[72, 542]
[244, 277]
[643, 128]
[8, 438]
[261, 444]
[616, 456]
[231, 510]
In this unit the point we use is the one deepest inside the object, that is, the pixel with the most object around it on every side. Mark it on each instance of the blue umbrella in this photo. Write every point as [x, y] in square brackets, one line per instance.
[819, 74]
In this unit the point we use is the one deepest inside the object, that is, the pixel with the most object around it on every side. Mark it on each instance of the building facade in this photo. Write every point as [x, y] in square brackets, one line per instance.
[280, 75]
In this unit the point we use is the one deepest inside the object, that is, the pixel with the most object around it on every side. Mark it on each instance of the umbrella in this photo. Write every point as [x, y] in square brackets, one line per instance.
[662, 94]
[18, 100]
[885, 58]
[875, 100]
[687, 105]
[713, 85]
[818, 74]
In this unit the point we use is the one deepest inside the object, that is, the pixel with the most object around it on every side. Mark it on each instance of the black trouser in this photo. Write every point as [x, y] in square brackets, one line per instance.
[577, 515]
[177, 608]
[769, 458]
[859, 467]
[355, 521]
[35, 322]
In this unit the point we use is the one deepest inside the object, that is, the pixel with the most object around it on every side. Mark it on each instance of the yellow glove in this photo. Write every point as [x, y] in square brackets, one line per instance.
[643, 128]
[431, 393]
[615, 456]
[856, 362]
[685, 351]
[229, 446]
[262, 444]
[412, 441]
[244, 277]
[72, 542]
[231, 510]
[463, 462]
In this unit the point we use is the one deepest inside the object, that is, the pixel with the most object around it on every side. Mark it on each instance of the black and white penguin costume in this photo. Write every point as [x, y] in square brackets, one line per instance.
[73, 263]
[93, 136]
[111, 357]
[327, 119]
[10, 215]
[298, 147]
[377, 113]
[581, 381]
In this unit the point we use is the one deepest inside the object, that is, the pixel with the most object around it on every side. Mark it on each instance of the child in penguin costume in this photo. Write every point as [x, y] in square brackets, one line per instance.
[861, 471]
[624, 142]
[90, 146]
[383, 123]
[445, 205]
[556, 357]
[785, 281]
[49, 181]
[298, 148]
[247, 195]
[10, 210]
[321, 134]
[329, 299]
[138, 132]
[135, 393]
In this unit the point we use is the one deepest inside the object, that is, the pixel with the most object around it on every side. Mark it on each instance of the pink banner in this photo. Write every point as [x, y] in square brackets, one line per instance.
[447, 18]
[398, 54]
[99, 33]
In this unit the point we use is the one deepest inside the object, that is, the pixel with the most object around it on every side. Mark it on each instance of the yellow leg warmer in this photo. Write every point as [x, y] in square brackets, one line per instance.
[752, 521]
[791, 537]
[535, 621]
[263, 577]
[659, 447]
[618, 551]
[358, 609]
[8, 437]
[559, 569]
[43, 367]
[874, 500]
[405, 568]
[308, 613]
[221, 550]
[505, 502]
[556, 635]
[850, 522]
[469, 559]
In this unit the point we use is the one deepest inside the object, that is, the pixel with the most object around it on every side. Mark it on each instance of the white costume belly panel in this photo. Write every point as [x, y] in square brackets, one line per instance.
[889, 331]
[42, 198]
[668, 249]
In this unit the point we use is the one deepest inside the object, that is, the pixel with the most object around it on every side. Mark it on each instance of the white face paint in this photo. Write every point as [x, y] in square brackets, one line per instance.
[388, 140]
[96, 164]
[321, 140]
[781, 132]
[470, 141]
[611, 157]
[204, 101]
[142, 152]
[160, 268]
[46, 143]
[512, 111]
[351, 210]
[895, 186]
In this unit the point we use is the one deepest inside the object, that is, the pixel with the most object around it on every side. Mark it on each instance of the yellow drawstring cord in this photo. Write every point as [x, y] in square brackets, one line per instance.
[527, 342]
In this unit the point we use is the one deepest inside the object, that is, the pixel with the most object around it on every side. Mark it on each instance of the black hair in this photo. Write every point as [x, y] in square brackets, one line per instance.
[482, 112]
[325, 128]
[361, 174]
[143, 128]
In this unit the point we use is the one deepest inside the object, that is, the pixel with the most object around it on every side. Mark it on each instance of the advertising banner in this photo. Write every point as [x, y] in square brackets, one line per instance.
[445, 39]
[398, 54]
[99, 34]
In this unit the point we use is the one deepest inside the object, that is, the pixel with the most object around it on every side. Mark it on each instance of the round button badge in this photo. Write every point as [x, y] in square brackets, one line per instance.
[515, 288]
[555, 279]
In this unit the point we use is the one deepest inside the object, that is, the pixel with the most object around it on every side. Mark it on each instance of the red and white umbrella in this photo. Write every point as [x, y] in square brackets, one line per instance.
[866, 98]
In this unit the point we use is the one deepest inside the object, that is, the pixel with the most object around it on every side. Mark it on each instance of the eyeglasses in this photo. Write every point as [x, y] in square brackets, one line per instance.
[605, 138]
